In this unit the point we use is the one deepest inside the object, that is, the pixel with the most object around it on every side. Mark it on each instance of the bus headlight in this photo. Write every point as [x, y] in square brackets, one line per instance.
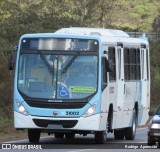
[22, 109]
[90, 111]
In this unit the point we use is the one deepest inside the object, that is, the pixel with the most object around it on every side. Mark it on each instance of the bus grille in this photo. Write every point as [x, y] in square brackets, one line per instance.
[64, 123]
[64, 105]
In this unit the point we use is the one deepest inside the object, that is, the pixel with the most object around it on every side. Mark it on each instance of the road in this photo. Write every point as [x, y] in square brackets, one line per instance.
[87, 143]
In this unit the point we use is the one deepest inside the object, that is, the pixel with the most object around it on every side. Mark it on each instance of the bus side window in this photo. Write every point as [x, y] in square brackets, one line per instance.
[138, 65]
[104, 73]
[131, 64]
[112, 57]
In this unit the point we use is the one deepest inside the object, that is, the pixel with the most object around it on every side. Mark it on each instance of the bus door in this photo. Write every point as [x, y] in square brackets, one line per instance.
[120, 86]
[143, 87]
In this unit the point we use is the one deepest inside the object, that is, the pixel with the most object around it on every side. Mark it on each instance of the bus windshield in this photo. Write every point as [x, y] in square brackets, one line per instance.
[49, 76]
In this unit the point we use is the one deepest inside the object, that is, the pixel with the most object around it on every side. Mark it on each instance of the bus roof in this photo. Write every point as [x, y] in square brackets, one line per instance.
[106, 35]
[101, 32]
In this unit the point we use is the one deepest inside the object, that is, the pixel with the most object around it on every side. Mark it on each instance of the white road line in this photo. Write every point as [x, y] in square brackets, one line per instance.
[142, 128]
[80, 150]
[13, 141]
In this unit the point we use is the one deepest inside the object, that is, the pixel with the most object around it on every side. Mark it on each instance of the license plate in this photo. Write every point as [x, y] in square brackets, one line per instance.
[51, 126]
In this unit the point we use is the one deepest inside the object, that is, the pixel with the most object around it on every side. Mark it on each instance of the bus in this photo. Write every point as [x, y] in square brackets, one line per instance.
[81, 81]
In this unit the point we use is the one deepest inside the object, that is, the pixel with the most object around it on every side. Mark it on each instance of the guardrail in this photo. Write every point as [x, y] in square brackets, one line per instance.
[152, 35]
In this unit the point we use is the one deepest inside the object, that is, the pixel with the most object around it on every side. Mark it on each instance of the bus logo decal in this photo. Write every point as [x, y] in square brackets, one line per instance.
[55, 113]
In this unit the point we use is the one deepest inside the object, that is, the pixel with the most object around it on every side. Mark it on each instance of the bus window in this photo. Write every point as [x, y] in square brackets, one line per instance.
[147, 56]
[119, 62]
[126, 64]
[132, 63]
[142, 62]
[138, 73]
[111, 56]
[104, 73]
[104, 70]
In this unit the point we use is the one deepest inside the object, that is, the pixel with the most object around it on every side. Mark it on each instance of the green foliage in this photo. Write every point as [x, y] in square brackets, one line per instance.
[144, 14]
[155, 71]
[6, 122]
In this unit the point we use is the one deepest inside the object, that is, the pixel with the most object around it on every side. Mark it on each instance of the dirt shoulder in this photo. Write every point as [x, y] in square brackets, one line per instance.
[17, 135]
[14, 136]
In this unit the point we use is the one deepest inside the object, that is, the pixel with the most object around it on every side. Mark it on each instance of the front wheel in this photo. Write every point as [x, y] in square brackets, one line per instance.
[100, 137]
[151, 142]
[130, 132]
[34, 135]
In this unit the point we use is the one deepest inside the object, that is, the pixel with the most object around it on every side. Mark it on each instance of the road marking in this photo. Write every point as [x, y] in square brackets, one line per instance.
[13, 141]
[81, 150]
[142, 128]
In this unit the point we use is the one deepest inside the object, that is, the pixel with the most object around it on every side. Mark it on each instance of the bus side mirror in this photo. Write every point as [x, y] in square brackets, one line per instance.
[10, 63]
[109, 65]
[12, 58]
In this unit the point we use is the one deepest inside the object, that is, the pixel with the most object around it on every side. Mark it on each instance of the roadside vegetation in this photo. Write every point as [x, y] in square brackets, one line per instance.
[19, 17]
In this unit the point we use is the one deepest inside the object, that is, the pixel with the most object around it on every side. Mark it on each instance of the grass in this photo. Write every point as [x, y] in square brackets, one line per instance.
[7, 125]
[7, 130]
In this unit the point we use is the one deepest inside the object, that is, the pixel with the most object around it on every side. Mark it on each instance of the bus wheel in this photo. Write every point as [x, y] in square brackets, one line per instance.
[118, 134]
[34, 135]
[151, 142]
[110, 122]
[100, 137]
[58, 135]
[130, 132]
[70, 135]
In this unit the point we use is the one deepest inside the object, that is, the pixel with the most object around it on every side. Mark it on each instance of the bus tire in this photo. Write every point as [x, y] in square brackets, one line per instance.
[150, 142]
[130, 132]
[110, 121]
[58, 135]
[118, 134]
[70, 135]
[34, 135]
[100, 137]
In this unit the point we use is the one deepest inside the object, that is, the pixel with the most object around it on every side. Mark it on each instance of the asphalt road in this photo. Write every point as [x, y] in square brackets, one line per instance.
[87, 143]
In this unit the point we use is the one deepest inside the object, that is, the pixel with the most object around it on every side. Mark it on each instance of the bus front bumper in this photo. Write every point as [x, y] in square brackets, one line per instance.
[91, 123]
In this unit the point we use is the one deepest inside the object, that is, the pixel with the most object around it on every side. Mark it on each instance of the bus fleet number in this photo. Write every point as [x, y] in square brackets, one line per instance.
[72, 113]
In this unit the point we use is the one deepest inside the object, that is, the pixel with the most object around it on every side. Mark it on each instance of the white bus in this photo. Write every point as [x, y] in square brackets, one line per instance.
[81, 81]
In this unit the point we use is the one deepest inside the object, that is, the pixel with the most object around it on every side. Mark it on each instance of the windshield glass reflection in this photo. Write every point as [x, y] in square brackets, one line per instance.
[43, 76]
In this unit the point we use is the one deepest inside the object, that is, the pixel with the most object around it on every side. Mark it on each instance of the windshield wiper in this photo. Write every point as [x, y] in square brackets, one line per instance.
[51, 68]
[45, 61]
[70, 62]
